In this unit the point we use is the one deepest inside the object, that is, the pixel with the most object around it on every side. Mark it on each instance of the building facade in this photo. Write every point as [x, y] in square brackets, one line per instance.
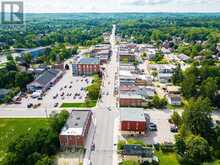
[74, 133]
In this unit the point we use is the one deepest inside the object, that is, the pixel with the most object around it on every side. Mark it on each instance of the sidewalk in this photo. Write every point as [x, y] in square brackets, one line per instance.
[89, 141]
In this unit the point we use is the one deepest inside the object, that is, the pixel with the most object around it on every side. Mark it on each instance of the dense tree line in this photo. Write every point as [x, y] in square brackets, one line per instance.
[37, 148]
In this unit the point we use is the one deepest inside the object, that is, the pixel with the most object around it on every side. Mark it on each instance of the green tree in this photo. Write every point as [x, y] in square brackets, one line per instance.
[177, 75]
[197, 117]
[45, 161]
[27, 59]
[180, 145]
[59, 120]
[176, 119]
[197, 149]
[209, 88]
[189, 85]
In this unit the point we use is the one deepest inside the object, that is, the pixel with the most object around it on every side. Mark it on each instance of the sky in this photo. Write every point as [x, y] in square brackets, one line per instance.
[57, 6]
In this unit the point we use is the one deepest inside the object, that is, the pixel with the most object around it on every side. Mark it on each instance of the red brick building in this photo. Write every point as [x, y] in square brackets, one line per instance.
[131, 100]
[86, 66]
[75, 131]
[133, 121]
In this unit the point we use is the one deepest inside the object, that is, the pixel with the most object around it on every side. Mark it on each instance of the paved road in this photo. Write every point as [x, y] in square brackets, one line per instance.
[105, 118]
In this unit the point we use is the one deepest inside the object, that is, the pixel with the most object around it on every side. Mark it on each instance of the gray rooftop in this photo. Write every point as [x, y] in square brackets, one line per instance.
[47, 76]
[138, 150]
[89, 60]
[77, 118]
[132, 114]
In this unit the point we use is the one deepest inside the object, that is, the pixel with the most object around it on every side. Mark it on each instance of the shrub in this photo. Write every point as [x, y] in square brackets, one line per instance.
[167, 147]
[157, 146]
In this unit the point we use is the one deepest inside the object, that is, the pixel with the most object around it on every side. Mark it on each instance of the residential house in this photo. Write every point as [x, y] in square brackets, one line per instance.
[173, 99]
[75, 131]
[183, 57]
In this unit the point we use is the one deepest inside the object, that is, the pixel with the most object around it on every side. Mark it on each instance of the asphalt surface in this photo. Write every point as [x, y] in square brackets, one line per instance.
[106, 112]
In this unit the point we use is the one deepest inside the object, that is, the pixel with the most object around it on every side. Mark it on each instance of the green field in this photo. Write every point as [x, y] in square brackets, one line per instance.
[79, 105]
[167, 158]
[12, 128]
[170, 159]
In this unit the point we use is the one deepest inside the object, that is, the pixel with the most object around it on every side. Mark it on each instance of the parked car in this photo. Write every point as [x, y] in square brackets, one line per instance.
[55, 96]
[40, 98]
[152, 127]
[56, 104]
[70, 86]
[62, 94]
[29, 105]
[93, 147]
[174, 129]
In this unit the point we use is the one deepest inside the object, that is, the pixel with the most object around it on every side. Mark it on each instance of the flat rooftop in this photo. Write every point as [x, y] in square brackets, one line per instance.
[132, 114]
[76, 122]
[89, 60]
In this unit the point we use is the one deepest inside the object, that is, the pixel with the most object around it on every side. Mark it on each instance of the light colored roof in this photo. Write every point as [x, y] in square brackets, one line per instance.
[89, 60]
[130, 96]
[132, 114]
[76, 122]
[173, 88]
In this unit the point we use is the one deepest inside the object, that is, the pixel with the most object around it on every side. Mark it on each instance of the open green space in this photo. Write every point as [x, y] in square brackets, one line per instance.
[88, 104]
[171, 159]
[12, 128]
[167, 158]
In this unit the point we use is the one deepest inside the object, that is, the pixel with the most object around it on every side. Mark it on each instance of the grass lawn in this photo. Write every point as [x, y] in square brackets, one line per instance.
[12, 128]
[167, 158]
[170, 159]
[79, 105]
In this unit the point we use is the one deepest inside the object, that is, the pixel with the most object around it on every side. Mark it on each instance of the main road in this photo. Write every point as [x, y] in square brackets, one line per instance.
[106, 113]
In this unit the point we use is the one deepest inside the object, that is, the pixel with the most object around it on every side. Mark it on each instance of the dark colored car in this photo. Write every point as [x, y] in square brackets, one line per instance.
[152, 127]
[30, 105]
[56, 104]
[173, 129]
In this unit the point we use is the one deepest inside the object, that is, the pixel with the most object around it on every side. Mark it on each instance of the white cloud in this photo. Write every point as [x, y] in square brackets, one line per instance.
[122, 5]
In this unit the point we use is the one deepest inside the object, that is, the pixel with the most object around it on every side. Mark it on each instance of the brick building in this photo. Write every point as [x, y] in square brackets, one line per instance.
[131, 100]
[75, 131]
[86, 66]
[133, 121]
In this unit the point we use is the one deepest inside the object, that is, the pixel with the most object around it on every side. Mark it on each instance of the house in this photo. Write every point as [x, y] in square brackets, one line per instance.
[138, 153]
[75, 131]
[173, 99]
[3, 93]
[133, 121]
[173, 89]
[45, 80]
[131, 100]
[165, 77]
[86, 66]
[183, 57]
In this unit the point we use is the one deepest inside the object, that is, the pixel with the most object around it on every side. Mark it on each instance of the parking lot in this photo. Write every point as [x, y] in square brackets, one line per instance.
[67, 89]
